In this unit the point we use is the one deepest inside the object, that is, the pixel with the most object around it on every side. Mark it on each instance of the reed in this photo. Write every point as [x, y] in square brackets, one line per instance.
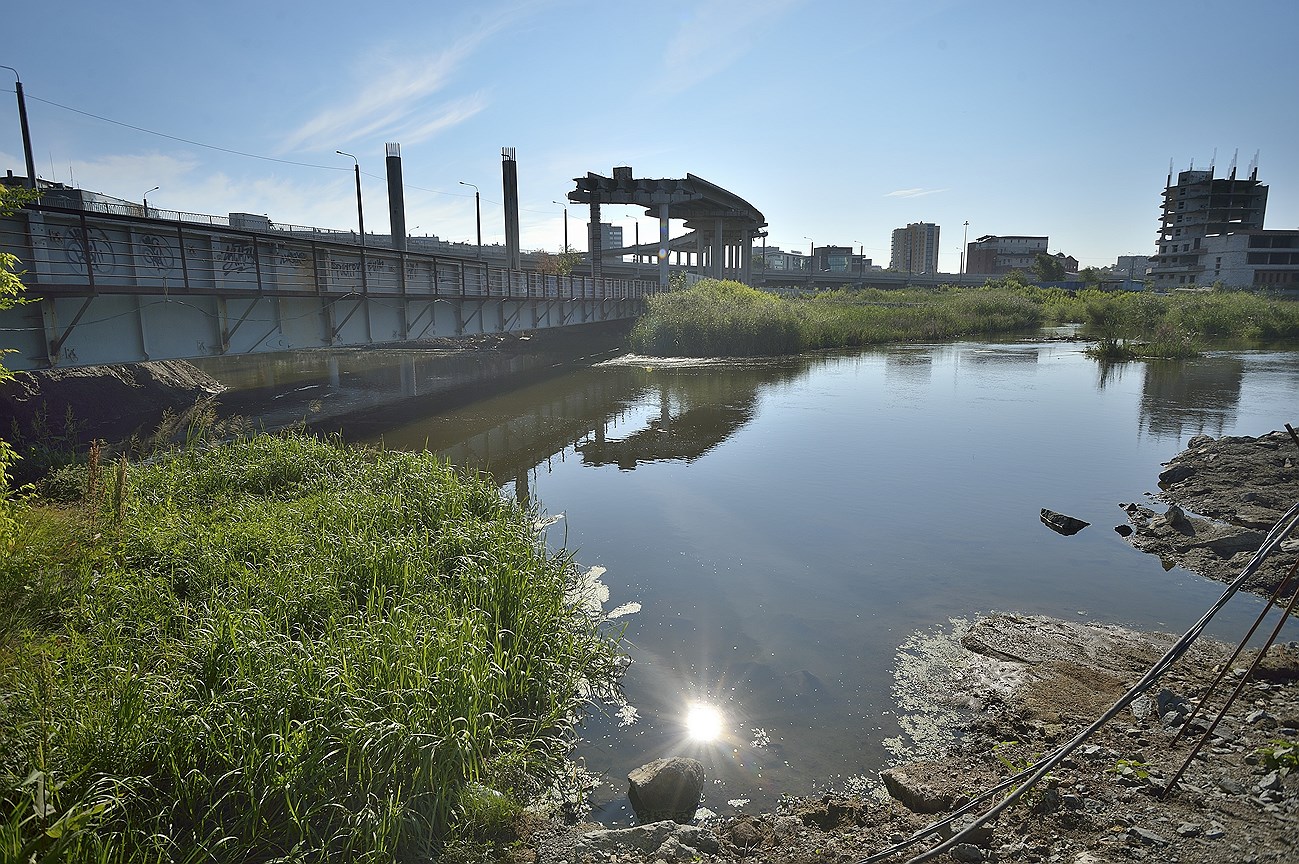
[282, 648]
[718, 319]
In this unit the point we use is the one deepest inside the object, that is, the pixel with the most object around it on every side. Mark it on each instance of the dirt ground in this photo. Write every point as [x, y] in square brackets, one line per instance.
[996, 695]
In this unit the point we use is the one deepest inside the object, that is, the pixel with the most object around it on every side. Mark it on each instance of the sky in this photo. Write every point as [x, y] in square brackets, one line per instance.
[839, 120]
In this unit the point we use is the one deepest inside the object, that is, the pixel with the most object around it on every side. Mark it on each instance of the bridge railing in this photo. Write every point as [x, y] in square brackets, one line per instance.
[118, 249]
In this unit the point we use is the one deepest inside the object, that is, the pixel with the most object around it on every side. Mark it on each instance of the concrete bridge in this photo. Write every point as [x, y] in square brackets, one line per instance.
[121, 283]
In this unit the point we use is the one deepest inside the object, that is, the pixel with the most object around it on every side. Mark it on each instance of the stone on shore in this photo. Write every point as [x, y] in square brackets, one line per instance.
[667, 789]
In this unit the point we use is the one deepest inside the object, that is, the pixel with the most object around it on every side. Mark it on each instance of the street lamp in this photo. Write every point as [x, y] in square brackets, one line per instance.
[360, 218]
[811, 255]
[565, 206]
[360, 213]
[146, 199]
[478, 214]
[965, 242]
[22, 122]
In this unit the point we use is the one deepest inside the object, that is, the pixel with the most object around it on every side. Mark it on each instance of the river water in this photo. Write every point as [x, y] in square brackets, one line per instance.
[775, 530]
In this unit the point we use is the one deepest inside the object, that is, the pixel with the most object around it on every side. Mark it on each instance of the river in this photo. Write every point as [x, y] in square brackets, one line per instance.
[775, 530]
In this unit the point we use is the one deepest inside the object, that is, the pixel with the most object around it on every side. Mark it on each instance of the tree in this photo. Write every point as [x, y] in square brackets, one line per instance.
[1048, 268]
[11, 289]
[561, 264]
[1091, 277]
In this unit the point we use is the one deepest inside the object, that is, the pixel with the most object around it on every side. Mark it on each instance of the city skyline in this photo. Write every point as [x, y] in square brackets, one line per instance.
[839, 121]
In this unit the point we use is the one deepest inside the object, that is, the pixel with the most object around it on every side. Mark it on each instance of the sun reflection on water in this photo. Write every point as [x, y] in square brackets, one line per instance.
[703, 722]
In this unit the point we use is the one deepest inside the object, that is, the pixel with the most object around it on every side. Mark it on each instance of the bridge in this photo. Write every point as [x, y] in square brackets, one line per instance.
[116, 283]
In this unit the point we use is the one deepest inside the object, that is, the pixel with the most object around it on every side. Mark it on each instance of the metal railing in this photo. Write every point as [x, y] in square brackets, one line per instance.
[113, 248]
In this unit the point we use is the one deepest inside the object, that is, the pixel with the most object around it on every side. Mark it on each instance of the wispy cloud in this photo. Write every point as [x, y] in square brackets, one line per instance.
[394, 102]
[715, 35]
[912, 193]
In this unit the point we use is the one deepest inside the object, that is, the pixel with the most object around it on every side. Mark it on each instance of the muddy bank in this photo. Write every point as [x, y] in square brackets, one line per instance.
[1224, 495]
[62, 410]
[992, 696]
[59, 411]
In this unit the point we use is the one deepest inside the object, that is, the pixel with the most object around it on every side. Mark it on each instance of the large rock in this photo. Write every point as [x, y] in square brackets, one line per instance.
[656, 840]
[910, 790]
[1062, 524]
[667, 789]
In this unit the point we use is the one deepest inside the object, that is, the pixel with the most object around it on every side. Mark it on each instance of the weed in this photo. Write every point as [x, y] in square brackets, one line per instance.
[1279, 755]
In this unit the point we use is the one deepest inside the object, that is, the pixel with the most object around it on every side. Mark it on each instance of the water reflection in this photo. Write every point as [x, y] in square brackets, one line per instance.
[1195, 397]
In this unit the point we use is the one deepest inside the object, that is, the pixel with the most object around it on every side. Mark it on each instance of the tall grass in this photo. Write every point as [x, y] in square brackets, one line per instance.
[722, 318]
[281, 649]
[715, 318]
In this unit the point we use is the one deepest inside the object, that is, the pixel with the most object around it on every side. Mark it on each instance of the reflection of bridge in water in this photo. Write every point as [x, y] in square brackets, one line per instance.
[621, 415]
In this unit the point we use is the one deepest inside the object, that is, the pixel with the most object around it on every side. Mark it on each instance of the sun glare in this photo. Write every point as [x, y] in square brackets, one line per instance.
[703, 723]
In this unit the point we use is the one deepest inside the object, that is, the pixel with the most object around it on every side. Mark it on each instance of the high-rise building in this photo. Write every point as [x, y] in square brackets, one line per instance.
[1199, 207]
[915, 249]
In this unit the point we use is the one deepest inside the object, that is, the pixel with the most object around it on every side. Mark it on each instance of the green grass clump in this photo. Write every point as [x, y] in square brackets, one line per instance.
[281, 649]
[717, 318]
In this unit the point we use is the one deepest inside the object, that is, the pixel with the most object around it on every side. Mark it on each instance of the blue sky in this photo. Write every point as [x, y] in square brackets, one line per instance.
[838, 120]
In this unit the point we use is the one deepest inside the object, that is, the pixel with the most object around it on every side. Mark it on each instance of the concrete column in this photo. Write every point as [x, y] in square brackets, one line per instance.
[746, 258]
[593, 241]
[663, 247]
[719, 251]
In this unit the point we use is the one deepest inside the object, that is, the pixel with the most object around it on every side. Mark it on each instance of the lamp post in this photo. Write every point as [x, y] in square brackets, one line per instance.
[965, 242]
[565, 206]
[811, 256]
[360, 217]
[146, 199]
[478, 215]
[22, 122]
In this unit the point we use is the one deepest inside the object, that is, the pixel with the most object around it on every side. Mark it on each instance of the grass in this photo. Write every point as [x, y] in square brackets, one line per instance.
[281, 649]
[721, 318]
[716, 318]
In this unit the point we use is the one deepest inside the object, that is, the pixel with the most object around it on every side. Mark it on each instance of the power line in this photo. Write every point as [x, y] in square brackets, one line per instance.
[186, 140]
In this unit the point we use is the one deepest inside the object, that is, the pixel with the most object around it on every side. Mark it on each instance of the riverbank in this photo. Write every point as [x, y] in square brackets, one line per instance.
[982, 700]
[996, 695]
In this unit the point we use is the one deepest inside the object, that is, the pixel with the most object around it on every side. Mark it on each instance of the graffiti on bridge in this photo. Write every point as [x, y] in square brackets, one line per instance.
[80, 246]
[155, 253]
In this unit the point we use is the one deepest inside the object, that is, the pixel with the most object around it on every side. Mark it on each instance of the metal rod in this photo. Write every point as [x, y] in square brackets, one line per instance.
[1289, 607]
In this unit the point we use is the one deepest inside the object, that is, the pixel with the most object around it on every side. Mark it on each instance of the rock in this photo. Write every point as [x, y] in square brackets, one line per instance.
[1062, 524]
[967, 853]
[1123, 530]
[1189, 829]
[912, 793]
[980, 836]
[832, 811]
[667, 838]
[1271, 782]
[666, 789]
[1176, 519]
[1145, 837]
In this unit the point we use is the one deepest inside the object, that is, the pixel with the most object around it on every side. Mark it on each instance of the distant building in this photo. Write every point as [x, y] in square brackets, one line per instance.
[1199, 212]
[1131, 266]
[915, 249]
[610, 236]
[832, 259]
[993, 255]
[773, 258]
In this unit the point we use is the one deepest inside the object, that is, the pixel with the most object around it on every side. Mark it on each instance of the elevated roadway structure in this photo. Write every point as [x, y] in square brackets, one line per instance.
[722, 224]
